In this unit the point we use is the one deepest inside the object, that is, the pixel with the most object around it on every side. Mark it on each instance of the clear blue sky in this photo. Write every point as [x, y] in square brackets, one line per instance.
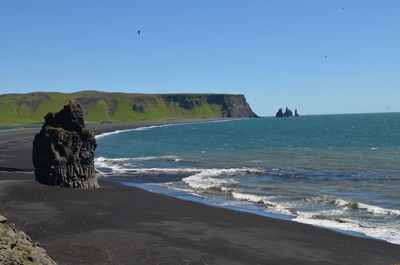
[273, 51]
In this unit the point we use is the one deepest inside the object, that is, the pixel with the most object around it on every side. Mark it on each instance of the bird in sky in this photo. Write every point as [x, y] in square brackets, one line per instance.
[326, 56]
[139, 31]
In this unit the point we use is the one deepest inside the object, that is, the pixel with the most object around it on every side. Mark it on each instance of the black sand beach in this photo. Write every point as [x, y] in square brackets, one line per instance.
[123, 225]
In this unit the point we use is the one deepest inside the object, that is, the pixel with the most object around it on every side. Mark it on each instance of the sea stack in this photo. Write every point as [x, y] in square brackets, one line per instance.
[63, 151]
[280, 113]
[288, 113]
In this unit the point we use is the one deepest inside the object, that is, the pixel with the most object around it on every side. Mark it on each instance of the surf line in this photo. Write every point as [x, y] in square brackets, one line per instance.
[157, 126]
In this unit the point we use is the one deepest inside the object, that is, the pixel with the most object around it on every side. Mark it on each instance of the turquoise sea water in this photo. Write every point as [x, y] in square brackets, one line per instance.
[20, 127]
[335, 171]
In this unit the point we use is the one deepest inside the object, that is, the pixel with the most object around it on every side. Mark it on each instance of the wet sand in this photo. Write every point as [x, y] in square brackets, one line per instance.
[117, 224]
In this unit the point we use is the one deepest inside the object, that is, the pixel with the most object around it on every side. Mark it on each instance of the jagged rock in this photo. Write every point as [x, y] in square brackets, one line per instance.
[138, 108]
[63, 151]
[3, 220]
[288, 112]
[280, 113]
[17, 248]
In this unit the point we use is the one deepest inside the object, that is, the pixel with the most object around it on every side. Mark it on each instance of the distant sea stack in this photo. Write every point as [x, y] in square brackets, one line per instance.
[63, 151]
[24, 109]
[287, 113]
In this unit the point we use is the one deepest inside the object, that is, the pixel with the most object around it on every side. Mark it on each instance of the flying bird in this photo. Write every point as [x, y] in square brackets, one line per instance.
[139, 31]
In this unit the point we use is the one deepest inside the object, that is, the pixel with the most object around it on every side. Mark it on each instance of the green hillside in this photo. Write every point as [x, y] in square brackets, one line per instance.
[29, 109]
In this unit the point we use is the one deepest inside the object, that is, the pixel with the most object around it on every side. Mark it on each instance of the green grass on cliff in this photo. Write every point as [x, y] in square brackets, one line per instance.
[98, 113]
[160, 110]
[28, 109]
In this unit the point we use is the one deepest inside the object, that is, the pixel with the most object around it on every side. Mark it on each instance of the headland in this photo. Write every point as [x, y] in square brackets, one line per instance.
[107, 107]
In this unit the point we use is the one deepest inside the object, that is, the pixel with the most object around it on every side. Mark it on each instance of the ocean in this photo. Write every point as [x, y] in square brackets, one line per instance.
[335, 171]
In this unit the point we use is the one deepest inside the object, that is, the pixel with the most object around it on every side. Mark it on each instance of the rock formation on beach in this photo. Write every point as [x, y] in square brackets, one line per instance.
[63, 151]
[18, 248]
[287, 113]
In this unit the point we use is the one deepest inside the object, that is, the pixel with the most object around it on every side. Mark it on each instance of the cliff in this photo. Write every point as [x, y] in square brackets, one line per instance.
[28, 109]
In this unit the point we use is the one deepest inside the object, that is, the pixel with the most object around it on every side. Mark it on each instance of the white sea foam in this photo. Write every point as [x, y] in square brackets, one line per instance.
[127, 164]
[329, 218]
[265, 201]
[148, 158]
[207, 178]
[151, 127]
[189, 191]
[200, 180]
[116, 170]
[357, 205]
[378, 210]
[130, 130]
[111, 163]
[160, 171]
[387, 233]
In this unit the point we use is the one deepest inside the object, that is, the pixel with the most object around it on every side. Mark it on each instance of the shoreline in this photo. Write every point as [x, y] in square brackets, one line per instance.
[118, 224]
[258, 213]
[153, 187]
[18, 142]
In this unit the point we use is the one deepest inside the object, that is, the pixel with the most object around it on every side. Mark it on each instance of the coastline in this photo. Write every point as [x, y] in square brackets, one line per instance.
[125, 225]
[17, 143]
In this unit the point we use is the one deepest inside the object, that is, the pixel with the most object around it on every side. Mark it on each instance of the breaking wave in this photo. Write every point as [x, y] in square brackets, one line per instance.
[197, 178]
[357, 205]
[264, 201]
[226, 184]
[152, 127]
[130, 130]
[384, 232]
[207, 178]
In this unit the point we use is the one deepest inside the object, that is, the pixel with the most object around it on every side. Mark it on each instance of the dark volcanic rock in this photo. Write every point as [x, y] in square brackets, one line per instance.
[138, 108]
[233, 106]
[288, 112]
[236, 106]
[280, 113]
[63, 151]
